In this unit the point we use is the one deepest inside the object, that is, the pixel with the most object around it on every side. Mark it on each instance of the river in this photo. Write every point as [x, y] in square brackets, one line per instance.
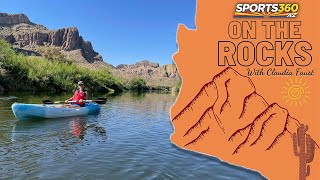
[128, 139]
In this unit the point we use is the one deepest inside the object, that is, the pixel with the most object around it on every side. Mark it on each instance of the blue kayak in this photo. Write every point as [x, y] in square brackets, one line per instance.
[43, 111]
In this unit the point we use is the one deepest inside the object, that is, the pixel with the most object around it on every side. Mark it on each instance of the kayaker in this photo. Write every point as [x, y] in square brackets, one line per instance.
[79, 95]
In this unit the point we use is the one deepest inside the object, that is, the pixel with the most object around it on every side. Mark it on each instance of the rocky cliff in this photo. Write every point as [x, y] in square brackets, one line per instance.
[148, 69]
[152, 72]
[18, 30]
[13, 19]
[27, 37]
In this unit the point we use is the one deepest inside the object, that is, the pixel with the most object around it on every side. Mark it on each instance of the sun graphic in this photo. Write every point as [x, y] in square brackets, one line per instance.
[296, 92]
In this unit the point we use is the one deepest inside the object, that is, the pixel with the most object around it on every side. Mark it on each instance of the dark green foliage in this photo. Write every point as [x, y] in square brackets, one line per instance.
[137, 84]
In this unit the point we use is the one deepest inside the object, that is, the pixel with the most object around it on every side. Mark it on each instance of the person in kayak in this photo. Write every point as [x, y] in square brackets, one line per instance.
[79, 95]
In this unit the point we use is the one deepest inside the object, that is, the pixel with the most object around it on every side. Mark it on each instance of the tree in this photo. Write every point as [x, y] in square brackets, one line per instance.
[52, 53]
[137, 84]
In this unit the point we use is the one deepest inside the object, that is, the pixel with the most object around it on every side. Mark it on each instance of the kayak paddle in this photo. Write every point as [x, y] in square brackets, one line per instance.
[98, 101]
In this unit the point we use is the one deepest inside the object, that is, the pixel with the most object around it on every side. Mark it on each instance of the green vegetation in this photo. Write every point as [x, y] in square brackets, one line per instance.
[161, 88]
[52, 53]
[178, 86]
[54, 73]
[50, 73]
[137, 84]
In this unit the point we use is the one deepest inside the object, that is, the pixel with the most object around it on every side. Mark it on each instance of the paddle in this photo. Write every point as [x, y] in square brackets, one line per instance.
[98, 101]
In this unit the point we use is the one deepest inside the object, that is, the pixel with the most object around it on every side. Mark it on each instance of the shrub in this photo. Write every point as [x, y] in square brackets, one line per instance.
[137, 84]
[52, 53]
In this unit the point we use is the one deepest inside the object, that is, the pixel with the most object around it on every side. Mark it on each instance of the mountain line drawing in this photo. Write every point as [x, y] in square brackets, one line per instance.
[230, 120]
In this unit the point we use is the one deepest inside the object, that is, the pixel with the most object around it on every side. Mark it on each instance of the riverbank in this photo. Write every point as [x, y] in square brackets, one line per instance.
[54, 73]
[32, 39]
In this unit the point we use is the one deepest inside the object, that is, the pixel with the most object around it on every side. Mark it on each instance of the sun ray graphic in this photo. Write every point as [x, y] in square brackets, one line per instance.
[296, 92]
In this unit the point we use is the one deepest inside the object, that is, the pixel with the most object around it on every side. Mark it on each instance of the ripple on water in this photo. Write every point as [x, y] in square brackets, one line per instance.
[128, 139]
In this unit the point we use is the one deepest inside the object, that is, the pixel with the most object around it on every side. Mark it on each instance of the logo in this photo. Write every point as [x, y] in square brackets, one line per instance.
[266, 10]
[296, 92]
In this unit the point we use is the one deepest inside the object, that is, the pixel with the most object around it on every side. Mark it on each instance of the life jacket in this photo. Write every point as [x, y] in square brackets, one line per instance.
[77, 96]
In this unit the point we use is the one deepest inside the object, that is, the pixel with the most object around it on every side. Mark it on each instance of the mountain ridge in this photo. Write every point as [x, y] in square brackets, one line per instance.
[26, 36]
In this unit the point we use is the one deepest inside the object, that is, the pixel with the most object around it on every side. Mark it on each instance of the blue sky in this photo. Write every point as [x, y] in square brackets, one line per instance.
[122, 31]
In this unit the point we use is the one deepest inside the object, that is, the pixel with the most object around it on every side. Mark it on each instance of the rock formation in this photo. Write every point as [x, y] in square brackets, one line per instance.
[153, 73]
[13, 19]
[149, 69]
[18, 30]
[27, 37]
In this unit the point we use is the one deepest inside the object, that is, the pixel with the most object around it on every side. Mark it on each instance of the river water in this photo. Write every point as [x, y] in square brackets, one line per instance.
[128, 139]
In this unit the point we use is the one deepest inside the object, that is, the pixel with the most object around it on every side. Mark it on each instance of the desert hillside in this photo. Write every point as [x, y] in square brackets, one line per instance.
[29, 38]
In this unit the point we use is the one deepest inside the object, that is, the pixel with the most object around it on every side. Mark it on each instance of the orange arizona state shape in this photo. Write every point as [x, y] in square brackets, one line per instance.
[250, 88]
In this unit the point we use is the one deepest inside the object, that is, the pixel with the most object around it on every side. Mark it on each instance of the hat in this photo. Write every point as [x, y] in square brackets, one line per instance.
[80, 83]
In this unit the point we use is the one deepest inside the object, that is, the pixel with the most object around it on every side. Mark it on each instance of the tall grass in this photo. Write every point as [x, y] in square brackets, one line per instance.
[20, 72]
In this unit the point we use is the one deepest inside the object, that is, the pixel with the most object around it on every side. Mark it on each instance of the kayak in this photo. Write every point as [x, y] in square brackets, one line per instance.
[44, 111]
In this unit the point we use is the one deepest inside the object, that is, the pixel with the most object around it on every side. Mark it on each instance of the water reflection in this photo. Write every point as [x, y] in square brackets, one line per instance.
[4, 98]
[80, 127]
[77, 126]
[128, 139]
